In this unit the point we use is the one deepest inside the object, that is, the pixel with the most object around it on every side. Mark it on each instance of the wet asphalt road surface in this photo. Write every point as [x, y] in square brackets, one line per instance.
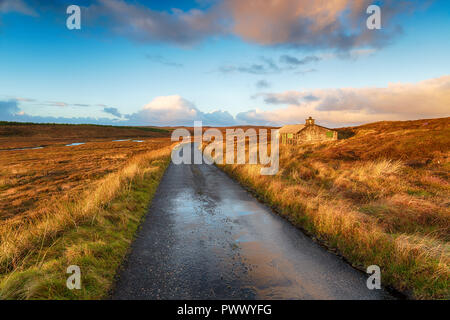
[205, 237]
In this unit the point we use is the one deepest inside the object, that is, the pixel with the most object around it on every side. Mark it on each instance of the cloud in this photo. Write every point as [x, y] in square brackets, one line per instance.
[269, 66]
[294, 62]
[25, 99]
[113, 111]
[133, 20]
[288, 97]
[356, 53]
[303, 72]
[397, 101]
[51, 103]
[18, 6]
[218, 118]
[262, 84]
[352, 54]
[55, 103]
[332, 107]
[266, 66]
[143, 24]
[429, 97]
[337, 24]
[162, 60]
[8, 109]
[175, 110]
[161, 111]
[329, 24]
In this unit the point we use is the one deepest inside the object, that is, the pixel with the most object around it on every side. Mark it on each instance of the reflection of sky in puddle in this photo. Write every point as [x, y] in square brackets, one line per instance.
[138, 141]
[274, 276]
[244, 213]
[269, 253]
[75, 144]
[244, 238]
[242, 209]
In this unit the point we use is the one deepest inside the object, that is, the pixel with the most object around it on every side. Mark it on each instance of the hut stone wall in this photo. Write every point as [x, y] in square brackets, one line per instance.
[309, 132]
[316, 133]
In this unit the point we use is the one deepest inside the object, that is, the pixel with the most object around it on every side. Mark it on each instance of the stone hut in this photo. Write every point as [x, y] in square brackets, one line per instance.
[308, 132]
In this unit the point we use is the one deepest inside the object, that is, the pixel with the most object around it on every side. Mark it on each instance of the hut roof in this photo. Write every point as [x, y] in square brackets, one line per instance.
[292, 128]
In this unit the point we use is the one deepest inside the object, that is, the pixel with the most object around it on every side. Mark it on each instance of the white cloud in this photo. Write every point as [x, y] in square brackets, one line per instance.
[175, 110]
[112, 111]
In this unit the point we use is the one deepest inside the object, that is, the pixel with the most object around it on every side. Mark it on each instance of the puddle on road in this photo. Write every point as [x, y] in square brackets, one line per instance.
[247, 244]
[273, 276]
[267, 250]
[243, 238]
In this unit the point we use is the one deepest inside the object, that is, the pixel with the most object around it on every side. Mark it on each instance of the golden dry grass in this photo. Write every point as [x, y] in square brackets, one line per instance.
[72, 205]
[91, 226]
[20, 135]
[32, 179]
[45, 187]
[379, 197]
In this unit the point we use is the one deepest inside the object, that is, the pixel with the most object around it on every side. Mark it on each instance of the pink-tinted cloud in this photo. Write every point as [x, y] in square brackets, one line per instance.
[332, 107]
[337, 24]
[397, 101]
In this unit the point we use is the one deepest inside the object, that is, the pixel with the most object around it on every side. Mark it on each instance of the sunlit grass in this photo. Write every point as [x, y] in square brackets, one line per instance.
[92, 229]
[374, 197]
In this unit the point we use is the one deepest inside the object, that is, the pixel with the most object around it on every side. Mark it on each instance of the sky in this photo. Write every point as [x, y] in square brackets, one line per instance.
[225, 62]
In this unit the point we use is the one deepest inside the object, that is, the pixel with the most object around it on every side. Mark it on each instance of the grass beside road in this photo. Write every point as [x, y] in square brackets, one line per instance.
[373, 197]
[92, 231]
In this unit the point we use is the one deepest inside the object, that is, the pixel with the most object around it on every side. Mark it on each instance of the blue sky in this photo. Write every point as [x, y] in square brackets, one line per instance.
[142, 62]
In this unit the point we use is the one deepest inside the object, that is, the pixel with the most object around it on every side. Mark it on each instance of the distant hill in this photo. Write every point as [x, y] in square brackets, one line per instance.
[18, 135]
[417, 142]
